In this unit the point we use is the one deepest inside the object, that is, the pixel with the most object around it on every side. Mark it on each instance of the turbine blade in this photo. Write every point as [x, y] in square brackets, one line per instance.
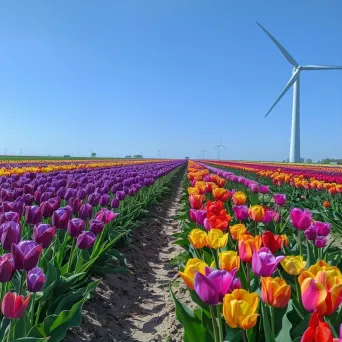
[289, 84]
[216, 146]
[321, 67]
[280, 47]
[224, 146]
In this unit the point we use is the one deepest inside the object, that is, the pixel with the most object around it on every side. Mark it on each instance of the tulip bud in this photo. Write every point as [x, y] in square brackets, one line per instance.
[75, 204]
[35, 279]
[86, 240]
[43, 234]
[279, 199]
[241, 212]
[13, 306]
[6, 267]
[46, 209]
[10, 232]
[86, 211]
[115, 203]
[60, 218]
[9, 216]
[75, 227]
[33, 214]
[198, 238]
[96, 226]
[26, 255]
[106, 215]
[104, 200]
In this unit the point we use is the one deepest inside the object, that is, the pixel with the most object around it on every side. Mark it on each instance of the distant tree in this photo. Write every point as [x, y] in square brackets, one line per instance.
[93, 155]
[138, 156]
[309, 161]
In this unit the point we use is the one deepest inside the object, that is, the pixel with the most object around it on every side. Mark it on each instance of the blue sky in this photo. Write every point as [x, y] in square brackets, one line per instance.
[128, 76]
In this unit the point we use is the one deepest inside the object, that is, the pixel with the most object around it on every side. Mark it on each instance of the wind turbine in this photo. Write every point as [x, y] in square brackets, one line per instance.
[159, 153]
[203, 151]
[295, 82]
[219, 148]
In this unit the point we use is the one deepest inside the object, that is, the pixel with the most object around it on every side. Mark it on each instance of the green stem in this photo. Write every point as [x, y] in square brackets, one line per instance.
[73, 248]
[214, 253]
[37, 313]
[213, 320]
[300, 242]
[248, 277]
[22, 281]
[272, 320]
[299, 296]
[219, 318]
[61, 251]
[244, 336]
[32, 307]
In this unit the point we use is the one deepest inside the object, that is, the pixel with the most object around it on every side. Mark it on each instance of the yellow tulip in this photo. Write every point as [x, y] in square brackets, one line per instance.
[216, 239]
[239, 309]
[239, 198]
[256, 213]
[293, 264]
[198, 238]
[229, 260]
[237, 230]
[193, 266]
[193, 191]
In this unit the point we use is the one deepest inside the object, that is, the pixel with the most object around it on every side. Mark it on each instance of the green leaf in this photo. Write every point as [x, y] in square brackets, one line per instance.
[284, 334]
[3, 326]
[266, 323]
[30, 339]
[301, 327]
[310, 256]
[232, 335]
[22, 326]
[193, 329]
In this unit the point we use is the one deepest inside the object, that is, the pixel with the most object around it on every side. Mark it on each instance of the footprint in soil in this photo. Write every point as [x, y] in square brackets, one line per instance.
[137, 307]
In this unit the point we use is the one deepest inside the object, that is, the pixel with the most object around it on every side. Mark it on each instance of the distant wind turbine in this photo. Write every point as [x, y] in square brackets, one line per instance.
[159, 153]
[219, 148]
[295, 82]
[203, 151]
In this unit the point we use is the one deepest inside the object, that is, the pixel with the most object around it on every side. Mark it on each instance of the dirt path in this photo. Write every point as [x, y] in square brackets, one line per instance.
[137, 307]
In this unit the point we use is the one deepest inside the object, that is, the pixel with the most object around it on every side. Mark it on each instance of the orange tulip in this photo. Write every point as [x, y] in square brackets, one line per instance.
[237, 230]
[196, 201]
[247, 245]
[326, 204]
[275, 291]
[220, 194]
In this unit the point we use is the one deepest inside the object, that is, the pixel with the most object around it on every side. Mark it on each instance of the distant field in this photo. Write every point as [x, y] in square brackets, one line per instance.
[3, 157]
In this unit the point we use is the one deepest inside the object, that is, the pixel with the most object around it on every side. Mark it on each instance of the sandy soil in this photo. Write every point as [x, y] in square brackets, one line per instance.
[137, 306]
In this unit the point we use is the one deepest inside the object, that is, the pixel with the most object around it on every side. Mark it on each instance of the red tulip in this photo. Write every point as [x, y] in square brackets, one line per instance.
[14, 306]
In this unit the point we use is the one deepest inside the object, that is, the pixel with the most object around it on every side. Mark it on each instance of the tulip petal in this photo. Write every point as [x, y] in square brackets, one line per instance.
[206, 290]
[249, 321]
[313, 294]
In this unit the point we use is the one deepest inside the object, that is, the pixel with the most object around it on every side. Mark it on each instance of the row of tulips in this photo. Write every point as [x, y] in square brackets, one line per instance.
[58, 228]
[256, 272]
[320, 178]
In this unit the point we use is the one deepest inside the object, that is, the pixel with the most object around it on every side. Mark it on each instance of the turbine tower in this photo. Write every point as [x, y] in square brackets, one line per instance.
[219, 148]
[295, 82]
[203, 151]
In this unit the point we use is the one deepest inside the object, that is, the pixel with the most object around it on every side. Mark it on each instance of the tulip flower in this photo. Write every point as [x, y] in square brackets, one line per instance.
[256, 213]
[33, 214]
[198, 238]
[10, 232]
[96, 226]
[320, 241]
[247, 245]
[196, 201]
[106, 215]
[264, 263]
[301, 219]
[237, 230]
[275, 292]
[60, 218]
[271, 241]
[86, 240]
[75, 203]
[318, 330]
[240, 309]
[321, 288]
[279, 199]
[26, 255]
[75, 227]
[271, 215]
[254, 187]
[115, 203]
[322, 228]
[86, 211]
[13, 306]
[326, 204]
[35, 279]
[46, 208]
[6, 267]
[43, 234]
[293, 264]
[239, 198]
[241, 212]
[9, 216]
[192, 266]
[220, 194]
[213, 285]
[228, 261]
[199, 216]
[216, 239]
[202, 188]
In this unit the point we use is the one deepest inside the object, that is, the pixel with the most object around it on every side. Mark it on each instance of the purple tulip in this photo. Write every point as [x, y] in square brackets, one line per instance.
[86, 240]
[26, 255]
[236, 284]
[254, 188]
[212, 286]
[81, 194]
[120, 195]
[75, 204]
[322, 228]
[46, 209]
[9, 216]
[115, 203]
[200, 216]
[55, 202]
[241, 212]
[207, 225]
[33, 214]
[75, 227]
[106, 215]
[10, 232]
[6, 267]
[311, 233]
[96, 226]
[43, 234]
[60, 218]
[320, 241]
[104, 200]
[94, 199]
[86, 211]
[264, 263]
[279, 199]
[301, 219]
[35, 279]
[264, 189]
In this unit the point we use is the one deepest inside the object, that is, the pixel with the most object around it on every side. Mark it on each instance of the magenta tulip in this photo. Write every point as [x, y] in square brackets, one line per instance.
[106, 215]
[301, 219]
[241, 212]
[264, 263]
[279, 199]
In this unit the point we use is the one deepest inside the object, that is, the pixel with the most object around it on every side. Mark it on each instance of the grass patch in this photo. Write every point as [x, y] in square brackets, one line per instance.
[178, 260]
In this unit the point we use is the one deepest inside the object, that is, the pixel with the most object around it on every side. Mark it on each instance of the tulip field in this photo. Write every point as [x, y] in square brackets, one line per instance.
[261, 241]
[59, 224]
[263, 252]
